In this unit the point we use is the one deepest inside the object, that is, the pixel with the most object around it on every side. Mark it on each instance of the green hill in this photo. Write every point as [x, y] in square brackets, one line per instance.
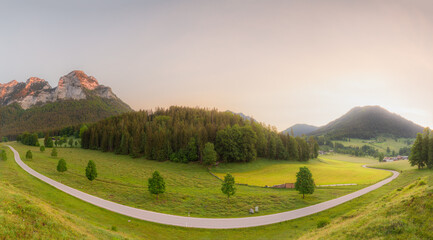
[15, 120]
[404, 213]
[369, 122]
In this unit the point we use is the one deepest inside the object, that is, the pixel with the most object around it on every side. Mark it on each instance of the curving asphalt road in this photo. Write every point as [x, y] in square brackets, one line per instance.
[193, 222]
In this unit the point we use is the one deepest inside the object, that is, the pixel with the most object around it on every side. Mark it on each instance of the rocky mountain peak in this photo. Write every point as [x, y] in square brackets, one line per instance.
[75, 85]
[78, 77]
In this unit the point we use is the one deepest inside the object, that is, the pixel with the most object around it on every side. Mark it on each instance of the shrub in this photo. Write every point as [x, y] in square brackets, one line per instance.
[322, 222]
[421, 183]
[3, 155]
[61, 166]
[29, 155]
[54, 152]
[42, 148]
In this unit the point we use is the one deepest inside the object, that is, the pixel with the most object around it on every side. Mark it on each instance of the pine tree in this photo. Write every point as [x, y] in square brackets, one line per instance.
[425, 145]
[209, 154]
[48, 142]
[304, 182]
[91, 172]
[156, 184]
[416, 152]
[430, 152]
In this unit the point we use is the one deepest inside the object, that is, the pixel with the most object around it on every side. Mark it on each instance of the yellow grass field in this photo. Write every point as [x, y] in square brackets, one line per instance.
[325, 170]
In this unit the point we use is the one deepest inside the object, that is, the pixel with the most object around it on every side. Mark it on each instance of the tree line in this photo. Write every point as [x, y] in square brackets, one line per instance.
[422, 150]
[180, 134]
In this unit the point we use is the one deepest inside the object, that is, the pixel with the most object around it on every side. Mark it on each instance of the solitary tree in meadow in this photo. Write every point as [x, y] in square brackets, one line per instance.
[91, 172]
[42, 148]
[61, 166]
[228, 186]
[304, 182]
[29, 155]
[209, 154]
[156, 184]
[54, 152]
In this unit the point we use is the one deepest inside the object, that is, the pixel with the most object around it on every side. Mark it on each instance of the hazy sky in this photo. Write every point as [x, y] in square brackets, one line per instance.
[282, 62]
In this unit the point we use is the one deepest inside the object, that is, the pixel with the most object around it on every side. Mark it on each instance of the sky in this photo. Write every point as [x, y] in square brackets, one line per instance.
[281, 62]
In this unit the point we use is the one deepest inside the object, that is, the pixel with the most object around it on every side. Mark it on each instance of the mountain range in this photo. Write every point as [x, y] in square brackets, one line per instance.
[300, 129]
[35, 106]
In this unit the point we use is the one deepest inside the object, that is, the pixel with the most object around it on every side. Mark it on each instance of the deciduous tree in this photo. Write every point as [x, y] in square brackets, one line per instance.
[304, 182]
[228, 186]
[156, 184]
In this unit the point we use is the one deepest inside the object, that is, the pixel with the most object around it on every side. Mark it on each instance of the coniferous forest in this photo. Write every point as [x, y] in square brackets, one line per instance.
[179, 134]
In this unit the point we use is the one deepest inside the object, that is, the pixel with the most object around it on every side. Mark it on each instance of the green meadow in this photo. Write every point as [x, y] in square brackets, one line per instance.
[190, 189]
[326, 170]
[102, 224]
[381, 146]
[402, 213]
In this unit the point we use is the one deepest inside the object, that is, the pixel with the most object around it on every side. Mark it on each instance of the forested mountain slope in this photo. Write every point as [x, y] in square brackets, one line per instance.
[369, 122]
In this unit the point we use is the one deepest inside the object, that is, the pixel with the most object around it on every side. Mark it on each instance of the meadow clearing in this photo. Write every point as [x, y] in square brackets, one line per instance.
[326, 170]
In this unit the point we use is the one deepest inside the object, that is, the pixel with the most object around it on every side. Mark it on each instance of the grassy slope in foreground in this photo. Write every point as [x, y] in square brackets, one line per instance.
[325, 170]
[99, 221]
[190, 188]
[404, 213]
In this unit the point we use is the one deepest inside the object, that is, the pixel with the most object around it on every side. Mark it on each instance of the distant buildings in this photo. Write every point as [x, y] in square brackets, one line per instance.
[392, 159]
[323, 152]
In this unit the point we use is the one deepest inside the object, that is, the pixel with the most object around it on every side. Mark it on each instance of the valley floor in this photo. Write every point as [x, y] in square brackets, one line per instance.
[104, 224]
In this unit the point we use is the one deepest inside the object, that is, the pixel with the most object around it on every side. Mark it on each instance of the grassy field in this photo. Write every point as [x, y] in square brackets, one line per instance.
[190, 188]
[99, 222]
[404, 213]
[402, 165]
[325, 170]
[381, 146]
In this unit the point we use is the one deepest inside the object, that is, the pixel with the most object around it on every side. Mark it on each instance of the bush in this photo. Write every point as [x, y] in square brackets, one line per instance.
[421, 183]
[42, 148]
[29, 155]
[54, 152]
[322, 222]
[61, 166]
[3, 155]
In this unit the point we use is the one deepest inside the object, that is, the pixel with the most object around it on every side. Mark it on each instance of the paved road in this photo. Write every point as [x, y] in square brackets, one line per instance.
[210, 223]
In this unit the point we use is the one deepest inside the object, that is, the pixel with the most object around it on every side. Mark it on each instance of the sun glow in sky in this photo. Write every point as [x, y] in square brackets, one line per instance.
[282, 62]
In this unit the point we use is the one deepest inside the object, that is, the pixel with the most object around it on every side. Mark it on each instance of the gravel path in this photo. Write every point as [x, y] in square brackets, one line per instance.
[193, 222]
